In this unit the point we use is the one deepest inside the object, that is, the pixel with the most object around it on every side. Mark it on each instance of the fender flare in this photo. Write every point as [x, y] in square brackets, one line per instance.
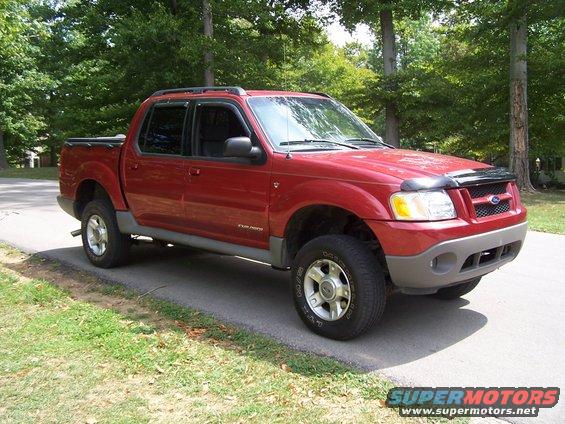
[343, 195]
[103, 175]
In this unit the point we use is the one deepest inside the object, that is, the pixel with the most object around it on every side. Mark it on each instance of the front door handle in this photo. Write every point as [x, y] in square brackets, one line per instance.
[134, 166]
[194, 171]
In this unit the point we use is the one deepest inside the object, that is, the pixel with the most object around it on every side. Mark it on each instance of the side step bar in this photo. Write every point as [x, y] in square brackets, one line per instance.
[276, 255]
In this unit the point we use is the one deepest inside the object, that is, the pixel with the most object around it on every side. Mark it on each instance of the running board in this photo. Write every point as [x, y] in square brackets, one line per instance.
[276, 255]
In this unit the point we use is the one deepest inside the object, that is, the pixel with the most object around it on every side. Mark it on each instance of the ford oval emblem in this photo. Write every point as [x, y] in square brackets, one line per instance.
[495, 200]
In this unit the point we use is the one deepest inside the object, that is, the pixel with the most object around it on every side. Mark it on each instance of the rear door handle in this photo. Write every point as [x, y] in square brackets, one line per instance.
[134, 166]
[194, 171]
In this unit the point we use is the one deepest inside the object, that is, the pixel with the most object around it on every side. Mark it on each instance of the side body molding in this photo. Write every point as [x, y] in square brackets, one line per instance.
[276, 255]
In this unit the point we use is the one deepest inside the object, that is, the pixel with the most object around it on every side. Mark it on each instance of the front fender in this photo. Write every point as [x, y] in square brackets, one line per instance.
[342, 194]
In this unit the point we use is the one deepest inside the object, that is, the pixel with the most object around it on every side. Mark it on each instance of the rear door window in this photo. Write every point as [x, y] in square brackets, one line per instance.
[163, 129]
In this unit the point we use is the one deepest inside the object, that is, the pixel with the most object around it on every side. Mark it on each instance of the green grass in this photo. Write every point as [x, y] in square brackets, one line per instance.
[50, 173]
[546, 211]
[63, 359]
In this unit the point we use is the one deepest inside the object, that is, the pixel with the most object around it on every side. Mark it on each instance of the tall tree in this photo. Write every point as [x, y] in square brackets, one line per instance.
[392, 136]
[208, 34]
[519, 141]
[383, 13]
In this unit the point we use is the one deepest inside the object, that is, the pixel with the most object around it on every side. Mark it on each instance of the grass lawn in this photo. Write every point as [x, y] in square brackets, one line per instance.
[546, 211]
[50, 173]
[82, 350]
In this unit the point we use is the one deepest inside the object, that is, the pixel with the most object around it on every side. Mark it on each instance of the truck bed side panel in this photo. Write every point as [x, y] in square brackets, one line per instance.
[91, 161]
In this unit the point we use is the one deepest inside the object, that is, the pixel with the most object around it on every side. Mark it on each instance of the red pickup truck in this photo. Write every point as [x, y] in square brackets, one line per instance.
[295, 180]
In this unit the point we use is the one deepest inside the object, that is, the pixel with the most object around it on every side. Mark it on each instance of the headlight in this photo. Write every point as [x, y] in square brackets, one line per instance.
[422, 206]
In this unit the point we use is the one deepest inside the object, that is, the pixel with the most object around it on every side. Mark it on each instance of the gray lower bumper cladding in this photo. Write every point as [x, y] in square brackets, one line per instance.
[456, 261]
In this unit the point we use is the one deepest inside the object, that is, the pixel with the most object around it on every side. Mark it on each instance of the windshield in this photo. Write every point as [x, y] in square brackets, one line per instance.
[307, 123]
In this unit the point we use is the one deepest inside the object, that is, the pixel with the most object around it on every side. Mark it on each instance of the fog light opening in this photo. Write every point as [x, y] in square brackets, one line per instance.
[444, 263]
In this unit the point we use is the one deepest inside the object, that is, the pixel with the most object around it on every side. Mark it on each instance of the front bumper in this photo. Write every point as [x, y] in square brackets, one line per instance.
[455, 261]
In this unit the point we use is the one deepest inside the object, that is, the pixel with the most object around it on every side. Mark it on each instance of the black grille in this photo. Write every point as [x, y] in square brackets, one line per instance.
[486, 209]
[486, 189]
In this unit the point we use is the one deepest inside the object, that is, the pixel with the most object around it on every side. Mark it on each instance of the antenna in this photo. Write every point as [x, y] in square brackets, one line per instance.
[285, 83]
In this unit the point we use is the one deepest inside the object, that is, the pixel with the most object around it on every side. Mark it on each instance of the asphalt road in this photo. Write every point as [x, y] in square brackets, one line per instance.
[510, 331]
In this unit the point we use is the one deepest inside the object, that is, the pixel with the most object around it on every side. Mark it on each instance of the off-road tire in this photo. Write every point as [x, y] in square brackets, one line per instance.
[118, 245]
[366, 281]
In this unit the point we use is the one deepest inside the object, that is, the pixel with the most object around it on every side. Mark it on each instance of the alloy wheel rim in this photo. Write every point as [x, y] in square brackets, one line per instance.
[327, 289]
[97, 235]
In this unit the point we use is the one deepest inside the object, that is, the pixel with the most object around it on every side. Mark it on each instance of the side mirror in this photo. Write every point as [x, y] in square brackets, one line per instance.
[241, 147]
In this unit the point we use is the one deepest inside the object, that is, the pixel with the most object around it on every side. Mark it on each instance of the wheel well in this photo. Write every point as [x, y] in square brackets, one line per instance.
[314, 221]
[87, 191]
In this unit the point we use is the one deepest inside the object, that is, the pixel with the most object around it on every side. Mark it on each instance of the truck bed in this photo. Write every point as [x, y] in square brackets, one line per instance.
[92, 158]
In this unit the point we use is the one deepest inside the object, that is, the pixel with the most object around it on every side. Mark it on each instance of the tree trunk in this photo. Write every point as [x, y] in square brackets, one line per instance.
[208, 33]
[53, 150]
[519, 143]
[389, 57]
[3, 158]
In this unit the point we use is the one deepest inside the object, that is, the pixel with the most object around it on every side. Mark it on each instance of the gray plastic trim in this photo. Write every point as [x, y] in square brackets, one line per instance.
[68, 205]
[274, 256]
[413, 273]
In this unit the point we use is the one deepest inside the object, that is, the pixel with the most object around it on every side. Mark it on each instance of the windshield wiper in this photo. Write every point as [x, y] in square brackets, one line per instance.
[319, 140]
[371, 140]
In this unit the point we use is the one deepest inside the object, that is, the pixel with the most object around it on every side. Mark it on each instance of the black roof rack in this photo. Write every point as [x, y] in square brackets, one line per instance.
[238, 91]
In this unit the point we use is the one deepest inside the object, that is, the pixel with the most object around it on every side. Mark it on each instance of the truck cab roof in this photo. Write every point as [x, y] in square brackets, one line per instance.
[229, 91]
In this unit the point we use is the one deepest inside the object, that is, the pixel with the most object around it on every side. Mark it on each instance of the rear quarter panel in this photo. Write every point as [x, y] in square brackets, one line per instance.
[98, 163]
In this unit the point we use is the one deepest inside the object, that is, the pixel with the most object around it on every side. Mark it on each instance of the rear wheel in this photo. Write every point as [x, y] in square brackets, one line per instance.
[338, 286]
[102, 241]
[455, 292]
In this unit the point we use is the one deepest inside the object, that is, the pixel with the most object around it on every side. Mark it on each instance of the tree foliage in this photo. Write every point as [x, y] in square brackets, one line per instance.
[22, 84]
[82, 67]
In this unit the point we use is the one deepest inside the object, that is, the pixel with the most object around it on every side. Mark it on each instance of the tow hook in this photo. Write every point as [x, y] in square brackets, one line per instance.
[76, 233]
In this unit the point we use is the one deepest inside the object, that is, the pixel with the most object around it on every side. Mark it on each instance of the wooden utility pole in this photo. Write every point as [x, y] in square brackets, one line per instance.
[209, 34]
[389, 56]
[519, 142]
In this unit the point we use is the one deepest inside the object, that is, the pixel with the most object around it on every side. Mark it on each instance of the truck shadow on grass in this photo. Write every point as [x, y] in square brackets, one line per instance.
[257, 298]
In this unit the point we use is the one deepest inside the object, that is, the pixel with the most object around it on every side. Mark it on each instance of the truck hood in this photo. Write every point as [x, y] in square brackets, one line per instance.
[399, 163]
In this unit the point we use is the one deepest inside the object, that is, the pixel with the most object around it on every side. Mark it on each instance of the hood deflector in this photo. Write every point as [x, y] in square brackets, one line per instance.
[462, 178]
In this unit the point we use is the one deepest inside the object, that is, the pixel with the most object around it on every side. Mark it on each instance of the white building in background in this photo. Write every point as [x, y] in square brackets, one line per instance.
[37, 158]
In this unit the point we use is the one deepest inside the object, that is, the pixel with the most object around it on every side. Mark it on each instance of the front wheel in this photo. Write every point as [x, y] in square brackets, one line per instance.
[338, 286]
[102, 241]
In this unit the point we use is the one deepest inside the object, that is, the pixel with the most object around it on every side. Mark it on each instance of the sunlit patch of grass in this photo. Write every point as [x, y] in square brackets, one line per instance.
[47, 173]
[546, 211]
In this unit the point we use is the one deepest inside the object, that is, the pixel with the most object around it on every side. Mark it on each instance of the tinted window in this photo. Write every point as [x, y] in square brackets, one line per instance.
[215, 125]
[163, 134]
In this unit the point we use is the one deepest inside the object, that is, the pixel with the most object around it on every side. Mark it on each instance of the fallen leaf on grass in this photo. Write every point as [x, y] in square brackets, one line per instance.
[286, 368]
[190, 332]
[230, 398]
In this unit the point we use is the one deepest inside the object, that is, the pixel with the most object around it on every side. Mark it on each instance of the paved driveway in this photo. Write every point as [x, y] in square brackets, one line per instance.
[510, 331]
